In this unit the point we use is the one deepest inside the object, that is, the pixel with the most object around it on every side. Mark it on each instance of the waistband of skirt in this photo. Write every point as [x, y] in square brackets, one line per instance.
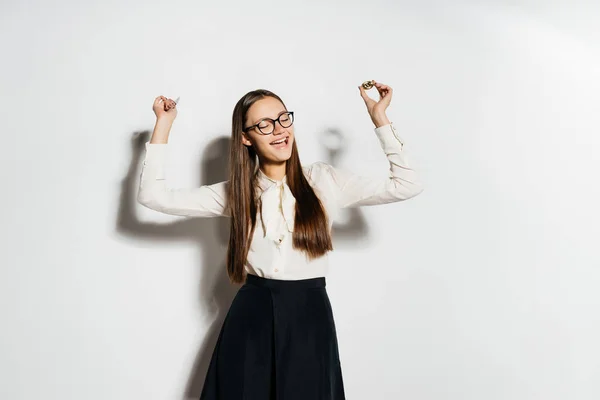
[256, 280]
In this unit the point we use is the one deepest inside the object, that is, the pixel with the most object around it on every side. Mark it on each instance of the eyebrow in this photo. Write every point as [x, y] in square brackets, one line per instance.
[260, 119]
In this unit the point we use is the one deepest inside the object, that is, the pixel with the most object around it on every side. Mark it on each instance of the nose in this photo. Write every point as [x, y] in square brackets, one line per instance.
[278, 128]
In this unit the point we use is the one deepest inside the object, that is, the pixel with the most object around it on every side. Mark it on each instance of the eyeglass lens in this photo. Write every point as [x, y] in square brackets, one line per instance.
[267, 126]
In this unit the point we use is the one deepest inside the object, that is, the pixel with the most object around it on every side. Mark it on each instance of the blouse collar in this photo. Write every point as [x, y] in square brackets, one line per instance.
[266, 182]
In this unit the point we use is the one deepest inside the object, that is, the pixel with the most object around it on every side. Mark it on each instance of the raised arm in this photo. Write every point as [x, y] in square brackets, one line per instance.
[402, 182]
[153, 192]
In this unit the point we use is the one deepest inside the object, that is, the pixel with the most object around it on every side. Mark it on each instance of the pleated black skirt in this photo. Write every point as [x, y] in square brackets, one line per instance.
[277, 342]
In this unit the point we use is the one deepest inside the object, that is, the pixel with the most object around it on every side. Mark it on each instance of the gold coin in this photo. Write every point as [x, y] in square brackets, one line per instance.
[368, 84]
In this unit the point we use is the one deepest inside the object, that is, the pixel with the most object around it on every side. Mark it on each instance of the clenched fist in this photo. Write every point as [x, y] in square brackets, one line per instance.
[164, 108]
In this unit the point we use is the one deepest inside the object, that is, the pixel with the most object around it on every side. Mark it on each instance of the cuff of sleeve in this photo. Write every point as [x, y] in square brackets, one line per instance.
[156, 154]
[388, 135]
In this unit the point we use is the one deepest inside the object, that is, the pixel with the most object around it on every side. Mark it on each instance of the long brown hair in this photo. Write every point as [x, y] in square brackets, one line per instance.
[311, 228]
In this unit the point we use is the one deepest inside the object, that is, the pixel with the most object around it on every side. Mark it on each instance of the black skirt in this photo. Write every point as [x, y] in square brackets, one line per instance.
[277, 342]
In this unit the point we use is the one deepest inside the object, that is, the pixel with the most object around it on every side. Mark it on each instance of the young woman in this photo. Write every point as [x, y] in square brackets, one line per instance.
[278, 339]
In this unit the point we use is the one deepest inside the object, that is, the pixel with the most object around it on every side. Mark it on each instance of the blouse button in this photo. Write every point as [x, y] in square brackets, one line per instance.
[276, 270]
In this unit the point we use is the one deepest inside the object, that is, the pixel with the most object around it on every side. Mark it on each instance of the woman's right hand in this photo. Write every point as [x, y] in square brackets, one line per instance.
[164, 108]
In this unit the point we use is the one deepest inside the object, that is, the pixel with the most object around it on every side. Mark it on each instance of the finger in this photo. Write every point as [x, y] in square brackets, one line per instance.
[388, 92]
[363, 94]
[383, 87]
[387, 98]
[384, 90]
[377, 86]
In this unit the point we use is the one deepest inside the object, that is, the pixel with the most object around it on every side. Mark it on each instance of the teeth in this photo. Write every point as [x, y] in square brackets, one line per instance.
[279, 141]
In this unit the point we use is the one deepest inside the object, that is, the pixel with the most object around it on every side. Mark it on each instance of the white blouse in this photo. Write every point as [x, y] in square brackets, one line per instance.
[271, 254]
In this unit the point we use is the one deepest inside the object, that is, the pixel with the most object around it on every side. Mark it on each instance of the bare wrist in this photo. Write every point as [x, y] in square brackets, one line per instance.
[162, 128]
[159, 139]
[164, 121]
[380, 120]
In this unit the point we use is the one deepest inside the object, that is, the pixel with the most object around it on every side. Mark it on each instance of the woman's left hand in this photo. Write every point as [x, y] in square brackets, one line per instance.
[377, 108]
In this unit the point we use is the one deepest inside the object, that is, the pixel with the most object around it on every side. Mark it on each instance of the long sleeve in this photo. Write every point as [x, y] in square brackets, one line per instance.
[402, 183]
[153, 192]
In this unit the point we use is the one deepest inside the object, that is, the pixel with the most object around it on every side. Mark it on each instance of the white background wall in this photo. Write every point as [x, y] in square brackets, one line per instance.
[483, 287]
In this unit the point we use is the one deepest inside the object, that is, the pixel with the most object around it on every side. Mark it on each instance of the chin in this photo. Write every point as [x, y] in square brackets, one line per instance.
[281, 153]
[282, 157]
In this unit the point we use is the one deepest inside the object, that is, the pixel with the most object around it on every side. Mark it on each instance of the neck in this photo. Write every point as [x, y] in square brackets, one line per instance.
[273, 171]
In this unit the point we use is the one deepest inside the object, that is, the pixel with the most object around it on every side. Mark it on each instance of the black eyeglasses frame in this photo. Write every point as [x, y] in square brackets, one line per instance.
[290, 113]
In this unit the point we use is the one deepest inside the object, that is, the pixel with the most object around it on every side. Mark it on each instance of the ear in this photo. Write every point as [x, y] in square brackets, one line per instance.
[245, 140]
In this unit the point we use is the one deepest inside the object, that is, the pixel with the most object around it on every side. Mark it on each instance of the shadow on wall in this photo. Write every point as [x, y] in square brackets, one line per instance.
[211, 235]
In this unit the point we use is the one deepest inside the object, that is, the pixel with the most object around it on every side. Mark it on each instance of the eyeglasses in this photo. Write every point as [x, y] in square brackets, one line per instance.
[266, 126]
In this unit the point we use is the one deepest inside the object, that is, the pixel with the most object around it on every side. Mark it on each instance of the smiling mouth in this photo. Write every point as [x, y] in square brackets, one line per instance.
[280, 141]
